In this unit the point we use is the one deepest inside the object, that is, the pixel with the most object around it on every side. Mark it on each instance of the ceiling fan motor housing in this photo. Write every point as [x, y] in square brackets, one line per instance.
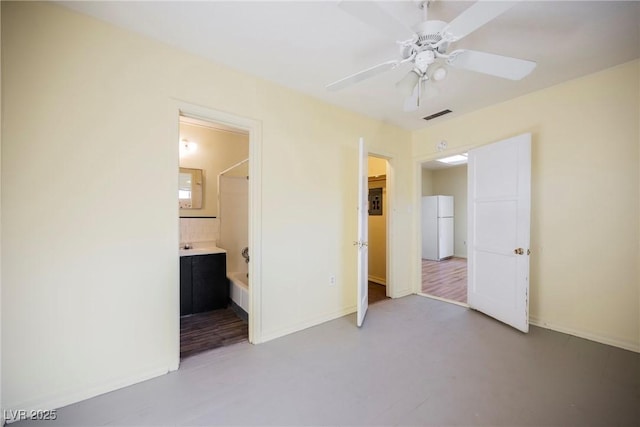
[429, 33]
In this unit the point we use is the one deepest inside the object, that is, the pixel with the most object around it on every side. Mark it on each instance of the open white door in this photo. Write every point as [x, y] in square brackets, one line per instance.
[498, 236]
[363, 232]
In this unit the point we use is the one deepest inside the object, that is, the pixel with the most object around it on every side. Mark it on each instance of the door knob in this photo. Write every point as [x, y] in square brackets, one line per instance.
[518, 251]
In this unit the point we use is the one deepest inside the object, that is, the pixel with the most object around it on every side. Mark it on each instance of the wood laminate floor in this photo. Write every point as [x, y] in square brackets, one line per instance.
[445, 279]
[377, 292]
[414, 362]
[206, 331]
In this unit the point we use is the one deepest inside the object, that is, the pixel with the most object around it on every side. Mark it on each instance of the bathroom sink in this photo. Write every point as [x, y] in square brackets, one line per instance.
[202, 251]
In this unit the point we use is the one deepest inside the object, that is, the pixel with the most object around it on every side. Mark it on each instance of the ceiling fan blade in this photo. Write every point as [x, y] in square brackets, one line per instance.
[430, 91]
[363, 75]
[475, 17]
[489, 63]
[411, 102]
[373, 15]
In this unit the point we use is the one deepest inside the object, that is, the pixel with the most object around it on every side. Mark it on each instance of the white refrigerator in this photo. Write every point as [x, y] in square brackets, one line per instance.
[437, 227]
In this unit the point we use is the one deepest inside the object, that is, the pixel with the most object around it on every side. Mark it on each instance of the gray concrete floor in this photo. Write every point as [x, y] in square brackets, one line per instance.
[416, 361]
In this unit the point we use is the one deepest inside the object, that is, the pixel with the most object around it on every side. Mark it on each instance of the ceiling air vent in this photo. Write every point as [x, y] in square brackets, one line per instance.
[438, 114]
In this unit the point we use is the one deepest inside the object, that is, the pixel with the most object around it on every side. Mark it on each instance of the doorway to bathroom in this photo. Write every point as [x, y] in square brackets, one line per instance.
[214, 220]
[444, 229]
[377, 229]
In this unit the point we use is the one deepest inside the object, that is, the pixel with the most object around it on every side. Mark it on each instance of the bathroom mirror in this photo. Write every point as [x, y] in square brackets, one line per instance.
[190, 188]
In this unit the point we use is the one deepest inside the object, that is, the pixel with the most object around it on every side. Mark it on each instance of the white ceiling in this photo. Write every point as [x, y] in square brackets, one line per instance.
[306, 45]
[435, 165]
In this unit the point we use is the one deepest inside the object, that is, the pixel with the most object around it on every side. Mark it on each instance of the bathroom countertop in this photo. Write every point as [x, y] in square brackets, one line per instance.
[202, 251]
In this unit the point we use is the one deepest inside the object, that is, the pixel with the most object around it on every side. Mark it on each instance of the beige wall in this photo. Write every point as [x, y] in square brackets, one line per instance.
[93, 266]
[427, 182]
[585, 197]
[453, 182]
[217, 150]
[376, 166]
[378, 225]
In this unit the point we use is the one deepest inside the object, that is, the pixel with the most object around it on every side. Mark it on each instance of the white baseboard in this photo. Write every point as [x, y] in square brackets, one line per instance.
[401, 293]
[268, 336]
[59, 400]
[378, 280]
[460, 256]
[615, 342]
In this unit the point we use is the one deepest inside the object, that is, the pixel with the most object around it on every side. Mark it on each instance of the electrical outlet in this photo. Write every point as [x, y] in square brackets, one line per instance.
[332, 280]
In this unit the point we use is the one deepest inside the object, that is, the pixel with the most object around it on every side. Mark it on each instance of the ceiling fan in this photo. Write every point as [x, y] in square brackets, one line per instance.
[426, 46]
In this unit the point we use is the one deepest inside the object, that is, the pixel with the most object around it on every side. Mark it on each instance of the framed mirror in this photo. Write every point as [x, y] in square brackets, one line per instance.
[190, 188]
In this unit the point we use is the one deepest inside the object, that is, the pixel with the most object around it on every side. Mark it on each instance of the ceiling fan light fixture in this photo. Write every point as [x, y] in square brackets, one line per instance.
[424, 59]
[408, 83]
[439, 74]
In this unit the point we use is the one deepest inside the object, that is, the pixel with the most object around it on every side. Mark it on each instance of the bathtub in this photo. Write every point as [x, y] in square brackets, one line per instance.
[239, 290]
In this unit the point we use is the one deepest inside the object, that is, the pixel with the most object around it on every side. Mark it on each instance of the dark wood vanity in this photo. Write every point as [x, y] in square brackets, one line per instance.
[203, 283]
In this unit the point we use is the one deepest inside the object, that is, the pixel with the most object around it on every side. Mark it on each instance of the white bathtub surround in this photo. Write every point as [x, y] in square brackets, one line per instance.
[198, 230]
[239, 289]
[234, 220]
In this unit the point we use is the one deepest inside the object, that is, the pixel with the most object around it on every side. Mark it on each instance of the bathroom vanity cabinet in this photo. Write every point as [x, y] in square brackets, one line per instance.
[203, 283]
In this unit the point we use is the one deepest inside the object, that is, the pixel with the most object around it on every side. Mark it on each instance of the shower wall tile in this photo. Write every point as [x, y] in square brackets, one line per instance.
[194, 230]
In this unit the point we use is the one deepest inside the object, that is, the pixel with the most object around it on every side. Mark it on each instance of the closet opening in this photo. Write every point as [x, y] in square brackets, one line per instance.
[378, 230]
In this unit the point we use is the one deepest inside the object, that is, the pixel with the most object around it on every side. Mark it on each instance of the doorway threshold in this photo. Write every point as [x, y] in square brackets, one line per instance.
[461, 304]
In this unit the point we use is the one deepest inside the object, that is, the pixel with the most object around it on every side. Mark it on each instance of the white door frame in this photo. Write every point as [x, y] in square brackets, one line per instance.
[390, 221]
[254, 128]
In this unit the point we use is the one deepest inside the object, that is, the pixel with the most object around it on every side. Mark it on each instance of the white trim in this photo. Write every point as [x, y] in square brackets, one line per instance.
[67, 397]
[254, 128]
[602, 339]
[241, 162]
[218, 186]
[2, 407]
[213, 126]
[404, 293]
[314, 321]
[391, 256]
[416, 254]
[533, 320]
